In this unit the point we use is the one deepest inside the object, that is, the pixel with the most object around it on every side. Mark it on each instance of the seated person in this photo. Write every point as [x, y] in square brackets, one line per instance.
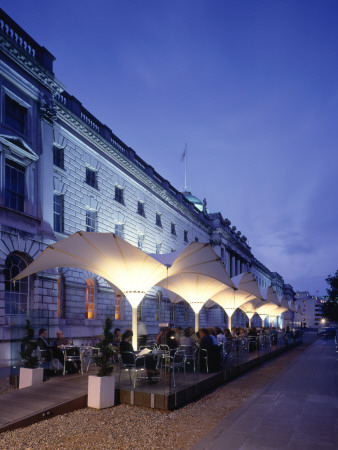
[214, 355]
[187, 339]
[161, 337]
[117, 337]
[171, 340]
[150, 363]
[58, 344]
[43, 344]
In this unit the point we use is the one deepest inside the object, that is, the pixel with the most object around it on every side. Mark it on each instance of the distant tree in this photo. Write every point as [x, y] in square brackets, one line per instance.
[330, 307]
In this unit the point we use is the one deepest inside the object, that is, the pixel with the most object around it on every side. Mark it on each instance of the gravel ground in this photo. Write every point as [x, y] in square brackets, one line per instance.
[131, 427]
[5, 386]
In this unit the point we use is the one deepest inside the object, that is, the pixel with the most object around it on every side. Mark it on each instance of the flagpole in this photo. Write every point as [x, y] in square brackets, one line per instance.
[185, 167]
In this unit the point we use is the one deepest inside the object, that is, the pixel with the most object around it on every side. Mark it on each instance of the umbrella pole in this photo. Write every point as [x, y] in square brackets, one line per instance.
[134, 327]
[197, 321]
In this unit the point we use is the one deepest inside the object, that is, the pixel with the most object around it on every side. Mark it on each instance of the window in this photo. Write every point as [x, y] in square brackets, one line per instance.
[173, 228]
[158, 220]
[58, 157]
[172, 312]
[185, 236]
[91, 177]
[58, 213]
[158, 247]
[119, 195]
[90, 220]
[140, 209]
[186, 311]
[139, 311]
[117, 307]
[14, 185]
[89, 299]
[196, 239]
[16, 294]
[158, 305]
[61, 296]
[222, 252]
[15, 115]
[140, 241]
[119, 230]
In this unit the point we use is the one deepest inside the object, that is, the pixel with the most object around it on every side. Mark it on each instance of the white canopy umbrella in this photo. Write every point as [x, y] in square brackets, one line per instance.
[132, 271]
[250, 308]
[195, 274]
[196, 289]
[231, 299]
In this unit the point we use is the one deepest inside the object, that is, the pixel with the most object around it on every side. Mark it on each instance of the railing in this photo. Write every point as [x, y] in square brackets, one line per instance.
[76, 108]
[25, 42]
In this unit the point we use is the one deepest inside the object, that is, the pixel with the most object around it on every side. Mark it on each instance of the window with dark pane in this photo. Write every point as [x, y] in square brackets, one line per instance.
[58, 213]
[158, 220]
[15, 115]
[173, 228]
[91, 177]
[119, 230]
[58, 157]
[119, 195]
[14, 185]
[185, 236]
[16, 294]
[140, 209]
[90, 220]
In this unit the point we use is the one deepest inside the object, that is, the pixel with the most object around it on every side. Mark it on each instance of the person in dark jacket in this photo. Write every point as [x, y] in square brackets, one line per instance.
[149, 362]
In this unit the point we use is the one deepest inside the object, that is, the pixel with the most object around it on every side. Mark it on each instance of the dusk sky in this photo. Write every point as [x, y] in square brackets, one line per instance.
[251, 86]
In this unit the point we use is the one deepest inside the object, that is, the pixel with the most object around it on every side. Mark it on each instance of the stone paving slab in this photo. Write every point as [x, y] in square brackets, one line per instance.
[297, 410]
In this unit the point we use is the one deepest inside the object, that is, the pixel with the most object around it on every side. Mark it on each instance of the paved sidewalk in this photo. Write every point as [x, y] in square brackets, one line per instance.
[297, 410]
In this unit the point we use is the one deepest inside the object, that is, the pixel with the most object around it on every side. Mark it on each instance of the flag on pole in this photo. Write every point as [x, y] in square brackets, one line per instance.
[184, 154]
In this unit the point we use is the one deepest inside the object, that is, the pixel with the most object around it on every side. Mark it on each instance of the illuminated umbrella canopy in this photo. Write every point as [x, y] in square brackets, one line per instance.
[250, 308]
[231, 299]
[195, 274]
[196, 289]
[132, 271]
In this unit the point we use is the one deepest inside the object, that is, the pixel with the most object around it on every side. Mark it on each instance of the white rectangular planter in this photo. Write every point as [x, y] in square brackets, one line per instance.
[101, 391]
[28, 377]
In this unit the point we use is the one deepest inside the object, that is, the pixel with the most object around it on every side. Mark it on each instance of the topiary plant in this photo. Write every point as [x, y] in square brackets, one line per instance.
[104, 358]
[29, 347]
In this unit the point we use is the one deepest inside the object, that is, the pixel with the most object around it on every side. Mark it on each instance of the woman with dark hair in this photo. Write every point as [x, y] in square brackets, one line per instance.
[149, 362]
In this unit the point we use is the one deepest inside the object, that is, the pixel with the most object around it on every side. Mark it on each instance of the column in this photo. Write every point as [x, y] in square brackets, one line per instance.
[233, 265]
[238, 266]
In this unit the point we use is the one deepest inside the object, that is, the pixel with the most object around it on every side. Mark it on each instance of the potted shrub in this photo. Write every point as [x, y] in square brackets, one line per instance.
[29, 374]
[101, 387]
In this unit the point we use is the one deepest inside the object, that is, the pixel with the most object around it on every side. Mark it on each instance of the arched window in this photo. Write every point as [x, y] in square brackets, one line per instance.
[90, 298]
[61, 296]
[117, 306]
[16, 295]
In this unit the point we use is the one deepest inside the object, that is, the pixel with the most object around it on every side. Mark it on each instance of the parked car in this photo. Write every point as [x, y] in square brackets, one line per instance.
[327, 332]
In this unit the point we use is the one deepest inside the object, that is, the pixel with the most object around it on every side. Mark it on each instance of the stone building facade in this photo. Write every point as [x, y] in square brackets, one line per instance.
[311, 309]
[61, 170]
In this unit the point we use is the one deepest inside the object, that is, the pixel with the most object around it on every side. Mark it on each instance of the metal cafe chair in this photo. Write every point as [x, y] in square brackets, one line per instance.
[72, 354]
[164, 356]
[45, 356]
[128, 361]
[88, 355]
[190, 354]
[178, 362]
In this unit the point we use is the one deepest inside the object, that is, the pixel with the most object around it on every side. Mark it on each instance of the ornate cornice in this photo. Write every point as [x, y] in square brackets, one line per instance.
[30, 65]
[125, 163]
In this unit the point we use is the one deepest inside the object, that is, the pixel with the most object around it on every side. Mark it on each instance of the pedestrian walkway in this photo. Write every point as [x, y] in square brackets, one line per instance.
[297, 410]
